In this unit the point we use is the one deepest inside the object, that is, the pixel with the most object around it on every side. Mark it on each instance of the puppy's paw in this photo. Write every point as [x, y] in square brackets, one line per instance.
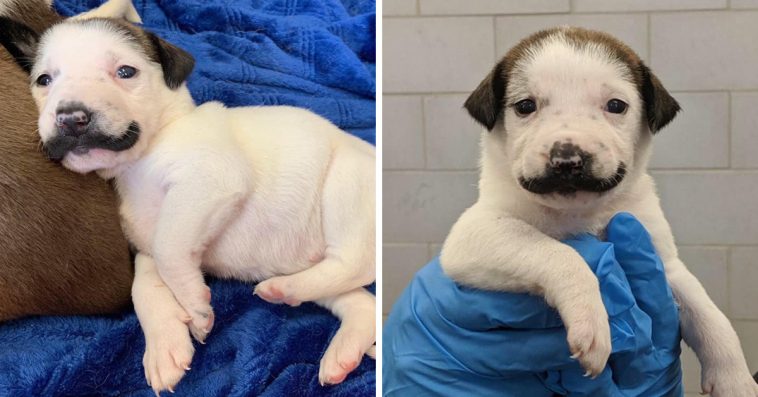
[168, 353]
[277, 290]
[345, 352]
[589, 339]
[722, 381]
[201, 313]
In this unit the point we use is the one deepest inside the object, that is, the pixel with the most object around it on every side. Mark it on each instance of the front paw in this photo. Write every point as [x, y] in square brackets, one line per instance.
[720, 381]
[198, 306]
[168, 353]
[589, 339]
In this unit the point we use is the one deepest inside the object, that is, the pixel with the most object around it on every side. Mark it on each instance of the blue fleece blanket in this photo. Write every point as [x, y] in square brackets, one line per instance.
[316, 54]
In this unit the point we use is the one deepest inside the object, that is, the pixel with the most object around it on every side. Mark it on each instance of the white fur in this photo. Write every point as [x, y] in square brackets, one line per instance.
[509, 239]
[257, 193]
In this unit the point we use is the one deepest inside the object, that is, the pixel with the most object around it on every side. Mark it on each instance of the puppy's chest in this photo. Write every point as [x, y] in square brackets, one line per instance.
[141, 200]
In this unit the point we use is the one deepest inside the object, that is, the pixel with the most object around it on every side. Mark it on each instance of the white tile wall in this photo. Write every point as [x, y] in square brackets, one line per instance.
[399, 7]
[646, 5]
[421, 206]
[699, 136]
[705, 163]
[451, 134]
[436, 54]
[705, 50]
[744, 130]
[468, 7]
[403, 131]
[744, 4]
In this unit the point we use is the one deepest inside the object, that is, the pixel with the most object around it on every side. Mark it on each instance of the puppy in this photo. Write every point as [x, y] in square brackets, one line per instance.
[63, 251]
[268, 193]
[570, 114]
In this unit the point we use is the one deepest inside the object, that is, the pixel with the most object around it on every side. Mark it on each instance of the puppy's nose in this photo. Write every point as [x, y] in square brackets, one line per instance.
[72, 121]
[566, 159]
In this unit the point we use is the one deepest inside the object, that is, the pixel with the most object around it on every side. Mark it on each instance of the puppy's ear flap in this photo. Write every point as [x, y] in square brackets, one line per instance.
[660, 106]
[116, 9]
[486, 103]
[176, 63]
[20, 41]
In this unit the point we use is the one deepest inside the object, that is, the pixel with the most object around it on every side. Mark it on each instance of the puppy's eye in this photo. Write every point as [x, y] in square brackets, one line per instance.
[616, 106]
[525, 107]
[44, 80]
[126, 72]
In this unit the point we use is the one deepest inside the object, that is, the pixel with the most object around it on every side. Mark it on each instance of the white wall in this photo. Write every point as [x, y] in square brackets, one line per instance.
[705, 163]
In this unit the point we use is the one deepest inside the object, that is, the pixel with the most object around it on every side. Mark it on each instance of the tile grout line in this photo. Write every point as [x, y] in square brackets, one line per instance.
[729, 129]
[572, 12]
[729, 254]
[649, 40]
[425, 155]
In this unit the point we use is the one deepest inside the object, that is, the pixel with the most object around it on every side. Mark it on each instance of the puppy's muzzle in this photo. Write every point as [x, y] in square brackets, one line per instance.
[569, 170]
[77, 131]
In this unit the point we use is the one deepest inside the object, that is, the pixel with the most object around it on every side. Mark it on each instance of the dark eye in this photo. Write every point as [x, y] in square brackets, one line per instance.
[616, 106]
[126, 72]
[44, 80]
[525, 107]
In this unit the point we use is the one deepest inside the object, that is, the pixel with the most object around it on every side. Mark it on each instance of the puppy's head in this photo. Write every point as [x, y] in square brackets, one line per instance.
[102, 86]
[569, 111]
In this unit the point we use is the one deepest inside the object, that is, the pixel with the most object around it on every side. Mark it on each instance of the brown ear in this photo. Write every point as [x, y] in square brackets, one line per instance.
[176, 63]
[660, 106]
[486, 103]
[20, 41]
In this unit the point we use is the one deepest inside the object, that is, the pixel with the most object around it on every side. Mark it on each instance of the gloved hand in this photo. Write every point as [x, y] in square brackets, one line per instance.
[444, 339]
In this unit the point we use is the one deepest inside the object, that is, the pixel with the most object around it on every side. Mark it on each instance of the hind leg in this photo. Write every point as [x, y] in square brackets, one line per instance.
[349, 219]
[354, 338]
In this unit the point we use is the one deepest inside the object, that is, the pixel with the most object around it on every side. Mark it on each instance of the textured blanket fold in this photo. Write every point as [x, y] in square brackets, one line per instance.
[316, 54]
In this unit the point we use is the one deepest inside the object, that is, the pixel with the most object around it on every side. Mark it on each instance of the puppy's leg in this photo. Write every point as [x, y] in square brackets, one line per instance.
[191, 216]
[348, 216]
[704, 327]
[354, 338]
[488, 249]
[168, 347]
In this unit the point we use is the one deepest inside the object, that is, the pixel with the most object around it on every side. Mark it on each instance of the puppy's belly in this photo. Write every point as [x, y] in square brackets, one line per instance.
[255, 248]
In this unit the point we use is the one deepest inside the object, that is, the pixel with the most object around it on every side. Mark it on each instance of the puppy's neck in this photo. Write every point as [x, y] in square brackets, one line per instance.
[176, 104]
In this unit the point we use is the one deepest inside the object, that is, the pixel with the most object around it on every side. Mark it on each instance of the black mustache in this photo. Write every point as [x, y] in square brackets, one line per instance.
[57, 148]
[562, 184]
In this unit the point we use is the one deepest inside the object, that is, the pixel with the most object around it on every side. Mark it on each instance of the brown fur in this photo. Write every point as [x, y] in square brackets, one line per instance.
[62, 249]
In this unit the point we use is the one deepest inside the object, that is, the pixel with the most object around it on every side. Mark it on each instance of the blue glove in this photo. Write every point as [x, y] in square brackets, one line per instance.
[445, 339]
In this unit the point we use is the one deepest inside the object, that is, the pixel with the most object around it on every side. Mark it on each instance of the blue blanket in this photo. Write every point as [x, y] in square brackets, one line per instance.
[316, 54]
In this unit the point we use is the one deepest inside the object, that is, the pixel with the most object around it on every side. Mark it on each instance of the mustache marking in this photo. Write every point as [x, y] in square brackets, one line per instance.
[57, 147]
[575, 183]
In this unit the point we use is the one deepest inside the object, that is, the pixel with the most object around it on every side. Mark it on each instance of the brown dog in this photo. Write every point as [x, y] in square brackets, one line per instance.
[62, 250]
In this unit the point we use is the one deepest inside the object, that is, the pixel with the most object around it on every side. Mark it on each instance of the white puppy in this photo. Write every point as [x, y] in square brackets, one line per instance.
[570, 115]
[269, 193]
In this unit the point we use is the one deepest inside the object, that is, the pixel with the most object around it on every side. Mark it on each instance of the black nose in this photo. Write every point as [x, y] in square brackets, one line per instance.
[567, 159]
[72, 121]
